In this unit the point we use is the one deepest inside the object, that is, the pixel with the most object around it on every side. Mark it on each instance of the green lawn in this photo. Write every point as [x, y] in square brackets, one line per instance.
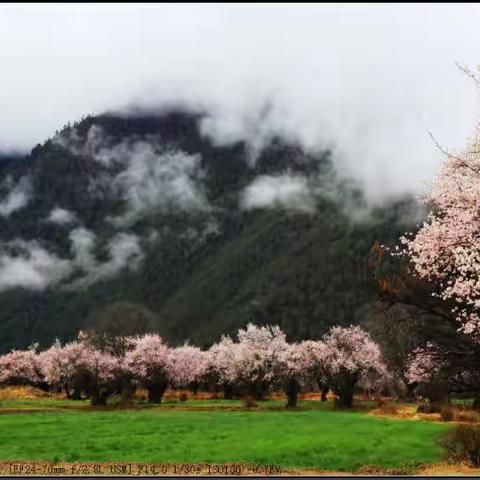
[312, 437]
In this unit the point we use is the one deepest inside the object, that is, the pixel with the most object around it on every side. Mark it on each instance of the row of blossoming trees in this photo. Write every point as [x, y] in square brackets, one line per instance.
[444, 251]
[257, 361]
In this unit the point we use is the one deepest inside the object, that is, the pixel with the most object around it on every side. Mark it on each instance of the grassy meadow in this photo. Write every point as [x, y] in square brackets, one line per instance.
[314, 436]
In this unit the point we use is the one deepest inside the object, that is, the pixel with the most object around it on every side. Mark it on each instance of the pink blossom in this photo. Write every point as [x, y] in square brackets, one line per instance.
[423, 365]
[21, 366]
[446, 248]
[254, 361]
[187, 364]
[149, 359]
[350, 359]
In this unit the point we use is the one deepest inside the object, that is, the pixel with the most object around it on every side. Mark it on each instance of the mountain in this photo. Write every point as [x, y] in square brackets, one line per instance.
[136, 222]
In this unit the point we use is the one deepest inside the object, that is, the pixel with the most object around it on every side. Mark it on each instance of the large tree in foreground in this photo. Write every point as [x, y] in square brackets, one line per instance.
[446, 249]
[445, 253]
[438, 370]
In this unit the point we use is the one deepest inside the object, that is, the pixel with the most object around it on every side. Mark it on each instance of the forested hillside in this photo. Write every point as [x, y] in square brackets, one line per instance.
[144, 223]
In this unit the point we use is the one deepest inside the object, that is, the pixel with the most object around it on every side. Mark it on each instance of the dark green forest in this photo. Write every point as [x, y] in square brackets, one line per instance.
[204, 272]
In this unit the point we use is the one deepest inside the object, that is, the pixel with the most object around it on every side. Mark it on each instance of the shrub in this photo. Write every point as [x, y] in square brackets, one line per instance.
[448, 413]
[466, 416]
[435, 391]
[432, 407]
[424, 408]
[386, 408]
[462, 444]
[183, 397]
[249, 402]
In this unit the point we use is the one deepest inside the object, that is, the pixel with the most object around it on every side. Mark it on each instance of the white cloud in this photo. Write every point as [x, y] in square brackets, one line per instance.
[18, 196]
[124, 251]
[368, 79]
[155, 181]
[61, 216]
[82, 246]
[152, 178]
[286, 191]
[148, 175]
[31, 267]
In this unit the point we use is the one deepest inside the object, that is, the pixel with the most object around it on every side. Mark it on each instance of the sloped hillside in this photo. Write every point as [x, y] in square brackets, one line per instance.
[146, 218]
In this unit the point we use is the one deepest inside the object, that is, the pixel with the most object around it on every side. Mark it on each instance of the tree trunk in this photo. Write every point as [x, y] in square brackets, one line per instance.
[194, 388]
[323, 387]
[67, 392]
[323, 392]
[127, 390]
[77, 394]
[343, 387]
[255, 391]
[44, 386]
[227, 392]
[89, 392]
[99, 398]
[409, 395]
[292, 389]
[345, 399]
[156, 391]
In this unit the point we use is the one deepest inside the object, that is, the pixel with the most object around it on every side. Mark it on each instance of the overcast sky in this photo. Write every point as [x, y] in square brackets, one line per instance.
[369, 80]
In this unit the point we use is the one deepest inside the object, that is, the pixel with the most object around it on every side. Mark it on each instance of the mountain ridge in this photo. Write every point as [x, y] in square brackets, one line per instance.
[147, 214]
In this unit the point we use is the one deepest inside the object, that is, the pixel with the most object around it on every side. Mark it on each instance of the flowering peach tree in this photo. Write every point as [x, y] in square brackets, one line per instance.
[298, 367]
[21, 367]
[253, 362]
[77, 366]
[446, 248]
[149, 363]
[258, 360]
[187, 366]
[351, 359]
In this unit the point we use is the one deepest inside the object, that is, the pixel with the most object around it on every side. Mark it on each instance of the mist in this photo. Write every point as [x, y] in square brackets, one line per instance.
[17, 195]
[287, 191]
[368, 81]
[29, 265]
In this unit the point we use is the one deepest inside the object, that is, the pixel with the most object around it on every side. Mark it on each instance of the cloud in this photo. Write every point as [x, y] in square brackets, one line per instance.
[286, 191]
[27, 264]
[61, 216]
[158, 180]
[200, 235]
[17, 197]
[31, 267]
[148, 175]
[369, 80]
[82, 245]
[124, 251]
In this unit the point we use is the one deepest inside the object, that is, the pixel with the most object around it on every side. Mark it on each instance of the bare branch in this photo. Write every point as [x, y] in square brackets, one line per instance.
[469, 73]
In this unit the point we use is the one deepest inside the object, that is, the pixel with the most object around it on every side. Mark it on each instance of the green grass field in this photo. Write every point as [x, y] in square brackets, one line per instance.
[315, 436]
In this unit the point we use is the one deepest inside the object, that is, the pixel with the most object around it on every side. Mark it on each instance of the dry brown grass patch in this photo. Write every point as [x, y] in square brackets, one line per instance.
[442, 468]
[27, 393]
